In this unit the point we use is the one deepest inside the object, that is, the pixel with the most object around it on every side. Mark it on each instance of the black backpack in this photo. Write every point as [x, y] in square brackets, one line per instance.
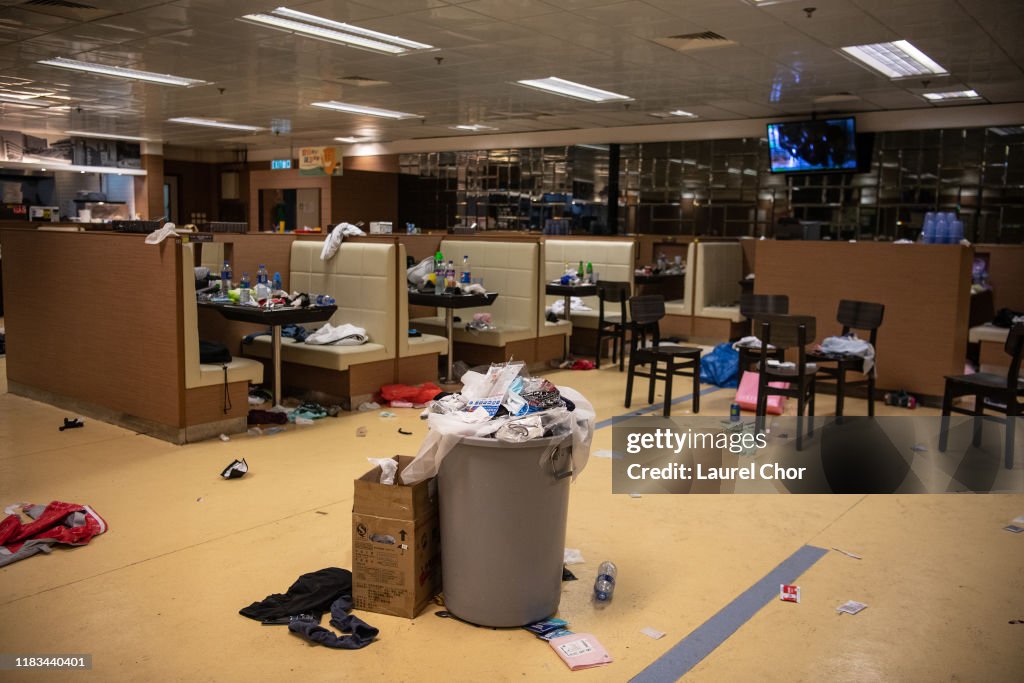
[213, 352]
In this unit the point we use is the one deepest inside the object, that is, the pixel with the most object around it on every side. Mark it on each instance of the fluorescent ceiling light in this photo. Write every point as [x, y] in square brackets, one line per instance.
[473, 127]
[369, 111]
[578, 91]
[351, 139]
[21, 96]
[674, 112]
[195, 121]
[107, 136]
[951, 95]
[898, 59]
[335, 31]
[1008, 130]
[121, 72]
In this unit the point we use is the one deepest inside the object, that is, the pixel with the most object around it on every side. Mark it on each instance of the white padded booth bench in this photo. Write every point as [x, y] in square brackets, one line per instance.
[611, 259]
[709, 311]
[205, 414]
[512, 269]
[362, 279]
[992, 356]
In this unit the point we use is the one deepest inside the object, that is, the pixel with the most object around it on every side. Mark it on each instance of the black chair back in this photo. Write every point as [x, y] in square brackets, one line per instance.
[787, 331]
[756, 305]
[860, 315]
[612, 290]
[1015, 347]
[647, 309]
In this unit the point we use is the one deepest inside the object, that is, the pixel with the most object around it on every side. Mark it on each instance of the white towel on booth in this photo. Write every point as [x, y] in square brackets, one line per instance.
[342, 335]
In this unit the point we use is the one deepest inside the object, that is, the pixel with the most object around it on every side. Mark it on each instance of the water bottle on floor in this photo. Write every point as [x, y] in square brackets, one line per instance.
[604, 584]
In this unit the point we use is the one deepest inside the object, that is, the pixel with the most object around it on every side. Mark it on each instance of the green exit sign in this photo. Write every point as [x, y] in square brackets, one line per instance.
[280, 164]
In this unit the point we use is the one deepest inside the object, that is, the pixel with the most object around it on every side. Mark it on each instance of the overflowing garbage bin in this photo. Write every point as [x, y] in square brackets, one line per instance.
[505, 452]
[503, 516]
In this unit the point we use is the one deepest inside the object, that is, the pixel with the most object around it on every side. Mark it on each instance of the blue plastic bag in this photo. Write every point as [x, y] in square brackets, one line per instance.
[721, 366]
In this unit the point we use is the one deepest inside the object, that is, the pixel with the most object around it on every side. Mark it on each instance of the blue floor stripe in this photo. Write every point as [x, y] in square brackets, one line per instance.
[688, 652]
[653, 408]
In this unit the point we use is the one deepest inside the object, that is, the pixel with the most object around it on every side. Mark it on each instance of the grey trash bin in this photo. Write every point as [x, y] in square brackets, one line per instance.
[503, 515]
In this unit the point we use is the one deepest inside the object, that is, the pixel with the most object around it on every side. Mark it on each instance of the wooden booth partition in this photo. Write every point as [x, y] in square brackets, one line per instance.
[925, 289]
[94, 325]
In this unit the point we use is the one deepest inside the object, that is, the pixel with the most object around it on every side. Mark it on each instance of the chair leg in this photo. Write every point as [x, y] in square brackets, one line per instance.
[669, 372]
[810, 407]
[840, 391]
[947, 408]
[622, 349]
[979, 420]
[1012, 417]
[653, 378]
[696, 386]
[629, 382]
[598, 353]
[871, 393]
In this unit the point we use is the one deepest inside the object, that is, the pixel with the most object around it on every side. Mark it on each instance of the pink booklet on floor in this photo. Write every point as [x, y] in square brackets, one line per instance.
[580, 651]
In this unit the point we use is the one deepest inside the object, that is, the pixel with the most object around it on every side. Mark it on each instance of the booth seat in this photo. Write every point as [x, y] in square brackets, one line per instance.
[611, 259]
[413, 346]
[206, 374]
[684, 306]
[511, 270]
[992, 341]
[361, 278]
[716, 289]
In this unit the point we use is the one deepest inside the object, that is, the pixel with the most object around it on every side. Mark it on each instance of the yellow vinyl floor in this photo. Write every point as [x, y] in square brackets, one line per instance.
[157, 597]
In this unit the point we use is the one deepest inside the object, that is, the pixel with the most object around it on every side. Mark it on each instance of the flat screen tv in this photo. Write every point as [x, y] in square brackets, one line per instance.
[819, 145]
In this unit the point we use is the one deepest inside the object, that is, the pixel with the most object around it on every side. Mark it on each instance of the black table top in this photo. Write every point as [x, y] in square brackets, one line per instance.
[451, 300]
[570, 290]
[271, 316]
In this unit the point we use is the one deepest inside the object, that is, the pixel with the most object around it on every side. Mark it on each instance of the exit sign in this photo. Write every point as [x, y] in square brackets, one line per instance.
[280, 164]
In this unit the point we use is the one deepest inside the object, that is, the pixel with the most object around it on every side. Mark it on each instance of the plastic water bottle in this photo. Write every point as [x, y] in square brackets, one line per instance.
[438, 273]
[604, 584]
[278, 285]
[928, 232]
[243, 288]
[225, 279]
[261, 276]
[449, 275]
[941, 229]
[465, 270]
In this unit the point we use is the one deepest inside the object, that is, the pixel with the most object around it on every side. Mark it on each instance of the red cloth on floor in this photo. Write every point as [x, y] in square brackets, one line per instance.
[50, 526]
[403, 392]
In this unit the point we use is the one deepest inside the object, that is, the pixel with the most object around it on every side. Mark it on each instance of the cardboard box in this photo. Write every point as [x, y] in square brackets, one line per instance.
[380, 227]
[396, 544]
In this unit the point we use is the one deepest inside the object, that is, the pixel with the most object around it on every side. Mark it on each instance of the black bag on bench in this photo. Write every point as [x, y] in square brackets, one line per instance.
[213, 352]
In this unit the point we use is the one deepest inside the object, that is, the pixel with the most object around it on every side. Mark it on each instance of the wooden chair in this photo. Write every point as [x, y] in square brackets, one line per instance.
[645, 312]
[752, 307]
[612, 325]
[784, 332]
[852, 315]
[998, 393]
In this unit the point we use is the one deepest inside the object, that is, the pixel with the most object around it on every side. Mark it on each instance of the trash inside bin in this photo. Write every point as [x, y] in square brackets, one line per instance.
[503, 516]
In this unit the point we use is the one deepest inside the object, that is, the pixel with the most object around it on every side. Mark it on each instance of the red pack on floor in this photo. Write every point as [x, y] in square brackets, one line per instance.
[746, 395]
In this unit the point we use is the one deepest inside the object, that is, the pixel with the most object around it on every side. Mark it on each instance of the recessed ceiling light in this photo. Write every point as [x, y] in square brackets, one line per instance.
[897, 59]
[121, 72]
[212, 123]
[674, 112]
[473, 127]
[369, 111]
[351, 139]
[951, 95]
[335, 31]
[578, 91]
[1008, 130]
[107, 136]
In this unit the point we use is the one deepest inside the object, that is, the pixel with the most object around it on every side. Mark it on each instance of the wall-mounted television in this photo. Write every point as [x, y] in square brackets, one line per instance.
[818, 145]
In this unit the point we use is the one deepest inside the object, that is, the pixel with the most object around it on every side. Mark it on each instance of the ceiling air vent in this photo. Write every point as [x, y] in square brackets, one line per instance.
[361, 81]
[67, 9]
[694, 41]
[58, 3]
